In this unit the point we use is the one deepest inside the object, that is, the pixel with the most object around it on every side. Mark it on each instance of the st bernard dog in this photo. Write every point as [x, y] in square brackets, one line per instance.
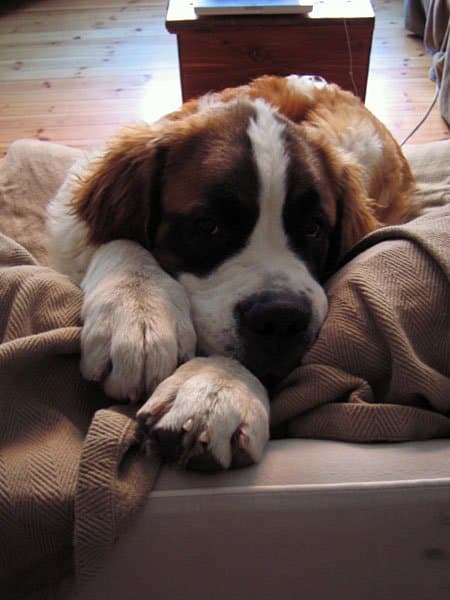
[201, 243]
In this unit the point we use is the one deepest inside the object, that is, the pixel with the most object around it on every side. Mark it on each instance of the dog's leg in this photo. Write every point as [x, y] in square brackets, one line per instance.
[212, 413]
[136, 321]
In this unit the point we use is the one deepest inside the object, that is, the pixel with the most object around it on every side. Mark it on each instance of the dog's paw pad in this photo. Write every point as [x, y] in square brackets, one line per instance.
[185, 446]
[168, 442]
[205, 417]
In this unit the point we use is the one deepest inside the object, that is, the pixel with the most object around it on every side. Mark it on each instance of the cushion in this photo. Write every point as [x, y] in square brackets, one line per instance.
[430, 165]
[30, 174]
[315, 519]
[58, 428]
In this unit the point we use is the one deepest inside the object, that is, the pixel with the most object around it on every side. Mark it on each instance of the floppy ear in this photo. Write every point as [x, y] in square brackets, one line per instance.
[353, 209]
[120, 195]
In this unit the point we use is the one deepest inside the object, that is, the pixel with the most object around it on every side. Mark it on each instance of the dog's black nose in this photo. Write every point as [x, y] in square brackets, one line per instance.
[274, 316]
[274, 328]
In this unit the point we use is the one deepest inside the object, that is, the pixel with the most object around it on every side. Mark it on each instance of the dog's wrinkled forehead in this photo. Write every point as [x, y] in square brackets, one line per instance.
[213, 149]
[234, 164]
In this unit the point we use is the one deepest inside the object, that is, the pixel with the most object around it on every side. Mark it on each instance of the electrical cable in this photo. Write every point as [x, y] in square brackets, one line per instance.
[425, 116]
[350, 58]
[436, 92]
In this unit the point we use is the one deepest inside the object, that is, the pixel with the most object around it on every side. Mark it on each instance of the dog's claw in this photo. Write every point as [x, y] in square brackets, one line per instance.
[204, 438]
[243, 440]
[188, 426]
[156, 410]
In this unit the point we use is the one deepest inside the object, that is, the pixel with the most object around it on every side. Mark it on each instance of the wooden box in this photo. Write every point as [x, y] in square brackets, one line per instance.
[333, 41]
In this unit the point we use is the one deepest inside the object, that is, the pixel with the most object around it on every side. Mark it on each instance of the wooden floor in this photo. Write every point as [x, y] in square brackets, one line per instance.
[72, 72]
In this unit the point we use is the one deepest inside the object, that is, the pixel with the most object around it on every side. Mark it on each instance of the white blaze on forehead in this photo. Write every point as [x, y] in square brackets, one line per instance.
[266, 133]
[266, 261]
[268, 248]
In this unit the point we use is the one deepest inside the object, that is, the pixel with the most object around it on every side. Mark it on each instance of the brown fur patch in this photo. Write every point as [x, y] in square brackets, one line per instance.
[149, 173]
[329, 109]
[114, 200]
[188, 150]
[348, 195]
[212, 151]
[325, 112]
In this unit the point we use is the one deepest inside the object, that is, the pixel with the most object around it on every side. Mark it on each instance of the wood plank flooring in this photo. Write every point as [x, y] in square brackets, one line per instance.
[74, 72]
[399, 90]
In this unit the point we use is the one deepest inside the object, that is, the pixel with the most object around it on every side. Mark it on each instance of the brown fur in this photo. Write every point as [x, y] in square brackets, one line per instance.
[326, 111]
[357, 214]
[115, 200]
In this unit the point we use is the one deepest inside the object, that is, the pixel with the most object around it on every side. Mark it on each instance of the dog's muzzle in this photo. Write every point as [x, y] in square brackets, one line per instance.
[275, 330]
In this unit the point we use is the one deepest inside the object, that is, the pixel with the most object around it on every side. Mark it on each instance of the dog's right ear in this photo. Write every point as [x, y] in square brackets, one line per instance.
[354, 210]
[119, 196]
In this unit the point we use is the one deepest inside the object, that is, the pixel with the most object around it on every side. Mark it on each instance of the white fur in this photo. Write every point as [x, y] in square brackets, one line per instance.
[214, 402]
[363, 143]
[266, 262]
[136, 321]
[209, 101]
[67, 246]
[359, 138]
[306, 84]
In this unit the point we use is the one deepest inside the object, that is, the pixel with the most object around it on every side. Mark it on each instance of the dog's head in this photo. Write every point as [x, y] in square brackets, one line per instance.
[247, 209]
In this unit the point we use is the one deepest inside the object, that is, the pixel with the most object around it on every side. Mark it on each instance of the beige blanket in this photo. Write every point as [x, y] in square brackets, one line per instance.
[380, 368]
[70, 470]
[71, 473]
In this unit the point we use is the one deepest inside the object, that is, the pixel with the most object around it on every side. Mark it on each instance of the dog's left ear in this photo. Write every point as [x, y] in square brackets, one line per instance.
[354, 207]
[354, 212]
[119, 196]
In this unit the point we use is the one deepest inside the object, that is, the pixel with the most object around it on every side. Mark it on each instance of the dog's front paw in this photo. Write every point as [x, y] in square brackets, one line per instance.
[211, 414]
[134, 337]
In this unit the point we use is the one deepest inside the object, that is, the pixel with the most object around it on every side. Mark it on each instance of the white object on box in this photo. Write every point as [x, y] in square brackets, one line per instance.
[250, 7]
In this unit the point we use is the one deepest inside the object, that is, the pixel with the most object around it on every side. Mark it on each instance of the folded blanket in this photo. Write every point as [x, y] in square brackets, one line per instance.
[71, 473]
[380, 368]
[70, 470]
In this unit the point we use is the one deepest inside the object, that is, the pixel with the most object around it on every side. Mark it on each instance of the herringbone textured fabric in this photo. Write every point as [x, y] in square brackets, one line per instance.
[70, 475]
[380, 369]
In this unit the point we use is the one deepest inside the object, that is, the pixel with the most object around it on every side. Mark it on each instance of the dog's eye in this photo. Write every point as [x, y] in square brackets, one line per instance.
[312, 228]
[206, 226]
